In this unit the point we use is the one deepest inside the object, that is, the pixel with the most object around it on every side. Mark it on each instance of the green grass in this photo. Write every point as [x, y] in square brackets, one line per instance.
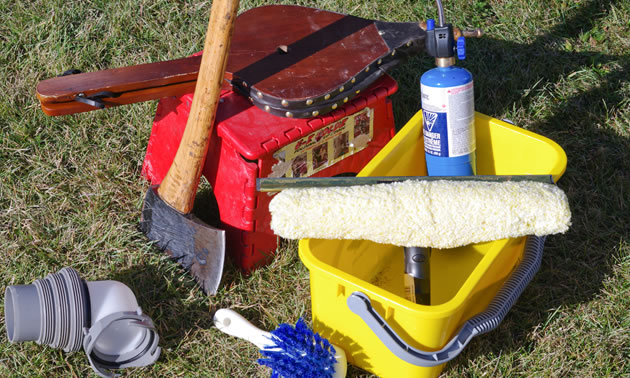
[71, 189]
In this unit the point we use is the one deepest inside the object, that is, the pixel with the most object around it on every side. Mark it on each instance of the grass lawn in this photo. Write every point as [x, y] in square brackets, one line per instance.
[71, 189]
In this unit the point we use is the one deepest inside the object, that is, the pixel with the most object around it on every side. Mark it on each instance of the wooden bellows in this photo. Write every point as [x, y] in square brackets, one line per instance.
[291, 61]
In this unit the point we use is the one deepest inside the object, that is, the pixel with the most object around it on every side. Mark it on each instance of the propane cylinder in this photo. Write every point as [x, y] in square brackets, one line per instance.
[448, 110]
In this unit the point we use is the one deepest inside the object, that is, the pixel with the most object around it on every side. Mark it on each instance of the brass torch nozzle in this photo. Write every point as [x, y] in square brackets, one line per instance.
[467, 33]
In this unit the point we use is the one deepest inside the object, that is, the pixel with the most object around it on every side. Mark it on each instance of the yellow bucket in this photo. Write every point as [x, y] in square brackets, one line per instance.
[394, 337]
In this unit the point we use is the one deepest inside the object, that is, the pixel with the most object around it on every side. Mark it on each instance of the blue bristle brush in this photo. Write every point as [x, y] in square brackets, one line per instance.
[290, 351]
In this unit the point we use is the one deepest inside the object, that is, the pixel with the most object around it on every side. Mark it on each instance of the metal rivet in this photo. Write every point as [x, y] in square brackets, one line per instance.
[289, 114]
[315, 113]
[259, 94]
[380, 61]
[354, 79]
[408, 43]
[309, 102]
[245, 84]
[334, 106]
[341, 89]
[285, 103]
[345, 99]
[380, 32]
[393, 52]
[267, 108]
[282, 49]
[327, 97]
[367, 69]
[358, 91]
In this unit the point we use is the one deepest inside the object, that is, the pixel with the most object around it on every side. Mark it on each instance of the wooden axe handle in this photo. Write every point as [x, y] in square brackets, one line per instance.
[180, 184]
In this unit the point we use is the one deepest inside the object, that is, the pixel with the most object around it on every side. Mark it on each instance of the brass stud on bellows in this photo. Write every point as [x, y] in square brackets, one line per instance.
[309, 102]
[259, 94]
[345, 99]
[315, 113]
[327, 97]
[334, 106]
[354, 79]
[288, 114]
[267, 108]
[341, 89]
[285, 103]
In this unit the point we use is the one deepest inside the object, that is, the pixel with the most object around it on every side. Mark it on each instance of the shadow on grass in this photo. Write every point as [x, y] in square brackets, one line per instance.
[164, 290]
[170, 295]
[168, 303]
[507, 76]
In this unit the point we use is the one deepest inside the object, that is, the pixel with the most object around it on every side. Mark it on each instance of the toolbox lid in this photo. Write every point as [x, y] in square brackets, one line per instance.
[255, 133]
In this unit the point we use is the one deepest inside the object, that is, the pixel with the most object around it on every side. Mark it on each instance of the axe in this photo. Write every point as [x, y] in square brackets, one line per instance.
[166, 214]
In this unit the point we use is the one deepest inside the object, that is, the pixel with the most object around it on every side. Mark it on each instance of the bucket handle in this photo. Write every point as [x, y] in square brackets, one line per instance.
[360, 304]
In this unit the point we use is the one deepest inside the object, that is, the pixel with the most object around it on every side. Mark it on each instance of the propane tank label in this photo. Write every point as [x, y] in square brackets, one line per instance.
[448, 120]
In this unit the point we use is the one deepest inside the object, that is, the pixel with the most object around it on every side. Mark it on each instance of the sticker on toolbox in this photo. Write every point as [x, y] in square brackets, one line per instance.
[325, 147]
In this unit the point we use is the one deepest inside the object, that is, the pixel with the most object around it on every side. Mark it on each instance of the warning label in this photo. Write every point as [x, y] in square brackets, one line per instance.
[448, 120]
[435, 133]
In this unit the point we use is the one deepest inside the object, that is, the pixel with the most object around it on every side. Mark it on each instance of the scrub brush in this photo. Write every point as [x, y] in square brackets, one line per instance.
[290, 351]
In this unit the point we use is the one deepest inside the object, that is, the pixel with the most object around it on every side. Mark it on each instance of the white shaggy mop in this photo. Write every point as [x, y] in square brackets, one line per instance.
[416, 213]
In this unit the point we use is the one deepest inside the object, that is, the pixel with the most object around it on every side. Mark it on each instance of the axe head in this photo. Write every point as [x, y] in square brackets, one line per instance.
[198, 247]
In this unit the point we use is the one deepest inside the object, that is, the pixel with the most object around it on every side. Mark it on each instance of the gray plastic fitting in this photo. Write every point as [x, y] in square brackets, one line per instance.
[21, 314]
[64, 311]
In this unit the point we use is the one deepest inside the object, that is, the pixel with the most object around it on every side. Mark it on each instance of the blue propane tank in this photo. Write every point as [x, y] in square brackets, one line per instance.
[448, 113]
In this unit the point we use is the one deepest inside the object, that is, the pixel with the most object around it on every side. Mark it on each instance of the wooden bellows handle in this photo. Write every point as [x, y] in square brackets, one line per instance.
[180, 184]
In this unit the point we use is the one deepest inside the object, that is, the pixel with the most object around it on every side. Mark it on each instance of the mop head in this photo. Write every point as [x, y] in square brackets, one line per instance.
[417, 213]
[299, 353]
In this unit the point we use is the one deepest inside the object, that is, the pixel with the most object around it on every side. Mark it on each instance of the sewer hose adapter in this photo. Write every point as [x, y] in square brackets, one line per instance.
[64, 311]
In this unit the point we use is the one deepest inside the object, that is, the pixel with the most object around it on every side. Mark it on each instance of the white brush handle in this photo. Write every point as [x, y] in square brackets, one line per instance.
[232, 323]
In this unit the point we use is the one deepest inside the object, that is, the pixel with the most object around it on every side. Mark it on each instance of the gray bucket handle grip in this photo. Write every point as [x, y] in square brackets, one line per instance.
[489, 319]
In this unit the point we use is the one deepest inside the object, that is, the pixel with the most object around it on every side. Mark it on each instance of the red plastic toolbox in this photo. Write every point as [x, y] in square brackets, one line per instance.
[248, 143]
